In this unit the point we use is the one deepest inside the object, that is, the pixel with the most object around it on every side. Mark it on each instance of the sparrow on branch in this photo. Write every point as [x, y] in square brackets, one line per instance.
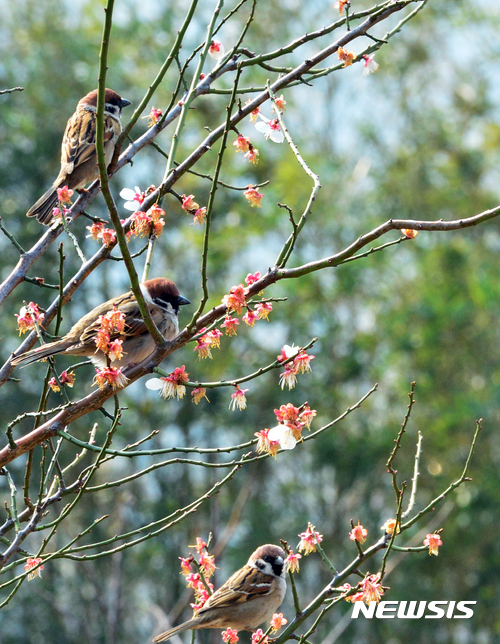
[247, 599]
[118, 319]
[78, 152]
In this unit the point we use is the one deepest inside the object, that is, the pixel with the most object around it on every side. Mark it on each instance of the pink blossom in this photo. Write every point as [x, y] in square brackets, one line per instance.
[250, 317]
[253, 196]
[238, 399]
[369, 65]
[216, 50]
[229, 325]
[134, 198]
[270, 129]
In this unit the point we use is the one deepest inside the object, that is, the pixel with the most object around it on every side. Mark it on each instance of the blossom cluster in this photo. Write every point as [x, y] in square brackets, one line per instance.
[65, 378]
[142, 224]
[31, 567]
[230, 635]
[190, 206]
[199, 581]
[301, 363]
[309, 540]
[371, 590]
[154, 116]
[29, 317]
[110, 376]
[172, 385]
[291, 421]
[110, 324]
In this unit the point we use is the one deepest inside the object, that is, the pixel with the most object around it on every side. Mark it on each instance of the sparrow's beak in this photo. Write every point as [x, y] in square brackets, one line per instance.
[279, 560]
[182, 300]
[124, 102]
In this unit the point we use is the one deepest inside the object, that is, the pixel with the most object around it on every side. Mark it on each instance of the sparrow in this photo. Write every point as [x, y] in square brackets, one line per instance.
[78, 155]
[247, 599]
[163, 300]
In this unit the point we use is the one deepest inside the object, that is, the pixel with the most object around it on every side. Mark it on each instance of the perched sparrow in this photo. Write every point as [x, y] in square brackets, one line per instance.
[247, 599]
[163, 300]
[78, 156]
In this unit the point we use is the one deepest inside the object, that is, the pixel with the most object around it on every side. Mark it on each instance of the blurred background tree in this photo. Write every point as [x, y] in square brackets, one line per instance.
[419, 139]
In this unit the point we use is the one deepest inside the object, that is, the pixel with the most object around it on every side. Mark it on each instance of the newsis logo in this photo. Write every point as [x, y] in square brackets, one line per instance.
[413, 610]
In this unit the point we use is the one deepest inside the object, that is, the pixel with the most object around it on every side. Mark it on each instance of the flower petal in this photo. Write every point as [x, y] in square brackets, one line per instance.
[154, 384]
[127, 193]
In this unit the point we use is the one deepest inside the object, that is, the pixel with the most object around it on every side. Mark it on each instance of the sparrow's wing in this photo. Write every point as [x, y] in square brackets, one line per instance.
[134, 324]
[78, 143]
[246, 584]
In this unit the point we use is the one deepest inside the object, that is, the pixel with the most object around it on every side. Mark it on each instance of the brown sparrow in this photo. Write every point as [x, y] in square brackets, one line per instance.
[78, 156]
[163, 300]
[247, 599]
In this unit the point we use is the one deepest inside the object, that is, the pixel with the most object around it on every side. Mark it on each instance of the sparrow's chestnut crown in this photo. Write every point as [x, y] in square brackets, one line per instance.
[163, 291]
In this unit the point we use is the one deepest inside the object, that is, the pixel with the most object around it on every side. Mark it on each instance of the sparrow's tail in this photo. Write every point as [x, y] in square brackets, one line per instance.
[43, 208]
[39, 353]
[163, 637]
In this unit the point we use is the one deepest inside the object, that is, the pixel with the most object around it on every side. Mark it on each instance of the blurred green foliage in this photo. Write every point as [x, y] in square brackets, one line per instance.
[419, 139]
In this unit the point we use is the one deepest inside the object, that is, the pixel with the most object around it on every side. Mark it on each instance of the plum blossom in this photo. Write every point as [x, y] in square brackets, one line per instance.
[358, 533]
[154, 116]
[111, 376]
[238, 399]
[253, 196]
[369, 65]
[340, 5]
[372, 589]
[186, 565]
[279, 103]
[251, 278]
[171, 385]
[134, 198]
[270, 129]
[230, 636]
[115, 350]
[96, 228]
[346, 56]
[200, 545]
[254, 113]
[389, 526]
[252, 154]
[200, 215]
[242, 143]
[203, 349]
[277, 621]
[216, 50]
[65, 379]
[309, 539]
[258, 637]
[263, 309]
[29, 317]
[433, 541]
[288, 377]
[300, 364]
[64, 194]
[108, 236]
[250, 317]
[188, 203]
[207, 564]
[409, 232]
[31, 569]
[236, 299]
[264, 445]
[283, 434]
[229, 325]
[198, 394]
[292, 561]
